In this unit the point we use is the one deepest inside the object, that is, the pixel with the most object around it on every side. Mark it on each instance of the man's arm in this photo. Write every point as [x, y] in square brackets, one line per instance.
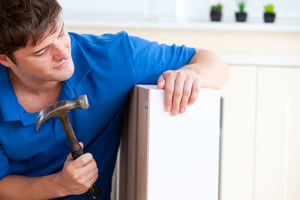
[21, 187]
[182, 86]
[76, 177]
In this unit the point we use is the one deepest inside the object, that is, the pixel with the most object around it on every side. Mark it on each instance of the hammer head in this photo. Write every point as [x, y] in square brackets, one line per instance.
[61, 108]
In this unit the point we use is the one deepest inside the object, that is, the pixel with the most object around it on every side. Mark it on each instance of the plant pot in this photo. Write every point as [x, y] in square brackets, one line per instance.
[215, 16]
[241, 16]
[269, 17]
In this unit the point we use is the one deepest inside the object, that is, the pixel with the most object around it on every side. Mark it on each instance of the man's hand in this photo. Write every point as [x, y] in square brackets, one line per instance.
[77, 176]
[182, 86]
[181, 89]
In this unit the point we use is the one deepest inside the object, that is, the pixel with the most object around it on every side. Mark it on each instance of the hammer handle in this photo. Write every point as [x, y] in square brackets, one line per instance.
[77, 151]
[94, 191]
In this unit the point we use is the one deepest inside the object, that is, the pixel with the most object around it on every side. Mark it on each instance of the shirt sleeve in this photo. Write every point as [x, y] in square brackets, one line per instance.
[149, 59]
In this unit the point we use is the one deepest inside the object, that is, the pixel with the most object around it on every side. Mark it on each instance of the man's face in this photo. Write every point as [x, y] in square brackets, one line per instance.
[49, 60]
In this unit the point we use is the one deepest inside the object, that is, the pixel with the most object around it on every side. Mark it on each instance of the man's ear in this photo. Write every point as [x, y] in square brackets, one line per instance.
[5, 60]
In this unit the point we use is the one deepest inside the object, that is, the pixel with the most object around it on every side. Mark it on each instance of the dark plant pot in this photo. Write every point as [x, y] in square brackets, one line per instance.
[241, 16]
[269, 17]
[215, 16]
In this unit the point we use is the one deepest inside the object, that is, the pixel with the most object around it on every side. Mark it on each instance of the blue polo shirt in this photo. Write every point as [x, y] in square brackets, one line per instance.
[107, 67]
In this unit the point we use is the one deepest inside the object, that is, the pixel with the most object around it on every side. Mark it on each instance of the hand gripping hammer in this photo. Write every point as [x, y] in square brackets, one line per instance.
[60, 110]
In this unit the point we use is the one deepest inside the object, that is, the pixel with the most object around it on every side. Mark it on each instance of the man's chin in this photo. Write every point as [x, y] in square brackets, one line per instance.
[68, 75]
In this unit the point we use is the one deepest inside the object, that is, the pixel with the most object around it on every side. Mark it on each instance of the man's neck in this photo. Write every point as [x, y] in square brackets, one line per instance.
[34, 97]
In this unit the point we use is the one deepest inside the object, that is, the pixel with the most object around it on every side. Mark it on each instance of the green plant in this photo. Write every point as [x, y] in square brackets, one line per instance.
[269, 8]
[217, 7]
[241, 5]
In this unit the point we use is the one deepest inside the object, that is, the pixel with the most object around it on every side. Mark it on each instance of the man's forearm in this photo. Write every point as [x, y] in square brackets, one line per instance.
[212, 70]
[31, 188]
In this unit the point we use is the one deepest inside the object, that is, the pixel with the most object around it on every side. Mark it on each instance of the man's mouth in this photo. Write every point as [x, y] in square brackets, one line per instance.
[61, 65]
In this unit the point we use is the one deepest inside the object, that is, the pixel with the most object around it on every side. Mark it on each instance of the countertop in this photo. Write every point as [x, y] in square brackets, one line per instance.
[246, 43]
[256, 25]
[262, 60]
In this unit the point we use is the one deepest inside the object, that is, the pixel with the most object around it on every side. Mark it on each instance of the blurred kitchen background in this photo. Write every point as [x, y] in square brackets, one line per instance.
[97, 11]
[260, 129]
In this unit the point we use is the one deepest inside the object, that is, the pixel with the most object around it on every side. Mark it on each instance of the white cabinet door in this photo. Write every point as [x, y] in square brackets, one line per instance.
[277, 174]
[184, 149]
[238, 134]
[170, 157]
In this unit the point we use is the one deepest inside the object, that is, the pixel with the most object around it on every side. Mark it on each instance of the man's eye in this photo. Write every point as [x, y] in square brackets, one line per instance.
[41, 53]
[61, 33]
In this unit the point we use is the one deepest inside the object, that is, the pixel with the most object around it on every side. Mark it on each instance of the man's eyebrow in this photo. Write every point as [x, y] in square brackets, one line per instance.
[62, 28]
[40, 50]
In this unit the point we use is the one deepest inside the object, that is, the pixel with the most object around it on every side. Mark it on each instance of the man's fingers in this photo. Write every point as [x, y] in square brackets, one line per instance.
[169, 80]
[161, 82]
[186, 93]
[178, 93]
[181, 89]
[196, 87]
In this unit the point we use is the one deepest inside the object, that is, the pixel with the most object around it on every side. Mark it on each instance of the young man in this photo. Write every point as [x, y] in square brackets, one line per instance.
[40, 64]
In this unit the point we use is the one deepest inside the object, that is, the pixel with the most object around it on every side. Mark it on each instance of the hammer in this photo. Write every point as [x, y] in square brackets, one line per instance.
[60, 110]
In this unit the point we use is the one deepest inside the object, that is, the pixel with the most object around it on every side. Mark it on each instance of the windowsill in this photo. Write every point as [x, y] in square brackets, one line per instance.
[254, 25]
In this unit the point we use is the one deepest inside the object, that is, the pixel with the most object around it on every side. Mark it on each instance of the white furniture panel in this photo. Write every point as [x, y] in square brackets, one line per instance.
[238, 134]
[170, 157]
[278, 140]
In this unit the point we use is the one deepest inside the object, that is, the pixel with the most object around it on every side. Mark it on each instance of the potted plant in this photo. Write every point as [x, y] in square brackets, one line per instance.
[216, 12]
[269, 13]
[241, 15]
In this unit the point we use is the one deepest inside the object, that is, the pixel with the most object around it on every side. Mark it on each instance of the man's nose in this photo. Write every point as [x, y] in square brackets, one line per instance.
[60, 51]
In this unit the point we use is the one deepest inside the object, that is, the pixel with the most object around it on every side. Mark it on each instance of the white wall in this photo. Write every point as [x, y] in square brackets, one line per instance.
[186, 10]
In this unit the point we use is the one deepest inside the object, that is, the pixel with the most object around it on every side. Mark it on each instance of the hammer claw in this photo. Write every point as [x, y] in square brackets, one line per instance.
[59, 108]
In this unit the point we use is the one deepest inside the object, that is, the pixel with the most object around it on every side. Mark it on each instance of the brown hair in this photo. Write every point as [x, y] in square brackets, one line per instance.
[22, 21]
